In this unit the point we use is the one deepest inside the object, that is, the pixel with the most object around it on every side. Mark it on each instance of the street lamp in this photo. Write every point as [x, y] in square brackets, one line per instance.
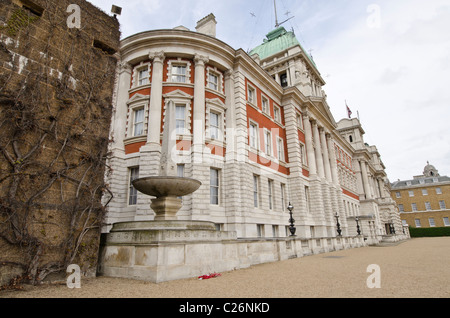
[357, 226]
[338, 225]
[291, 220]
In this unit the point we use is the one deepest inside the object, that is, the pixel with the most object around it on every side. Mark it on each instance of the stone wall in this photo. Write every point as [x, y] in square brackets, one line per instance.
[57, 66]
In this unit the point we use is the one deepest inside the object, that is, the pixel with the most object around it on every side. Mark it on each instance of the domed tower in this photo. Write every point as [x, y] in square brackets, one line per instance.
[430, 171]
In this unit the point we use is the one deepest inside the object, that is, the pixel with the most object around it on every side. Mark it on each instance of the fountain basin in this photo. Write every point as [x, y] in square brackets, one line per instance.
[166, 186]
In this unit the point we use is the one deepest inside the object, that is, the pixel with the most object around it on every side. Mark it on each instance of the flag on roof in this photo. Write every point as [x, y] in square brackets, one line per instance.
[349, 112]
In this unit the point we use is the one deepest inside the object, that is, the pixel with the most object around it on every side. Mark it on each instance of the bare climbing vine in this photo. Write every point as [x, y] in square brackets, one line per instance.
[55, 111]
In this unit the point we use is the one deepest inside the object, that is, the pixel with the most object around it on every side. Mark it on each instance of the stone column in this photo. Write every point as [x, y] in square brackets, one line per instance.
[365, 178]
[309, 145]
[154, 125]
[325, 153]
[120, 114]
[381, 187]
[199, 106]
[332, 156]
[318, 150]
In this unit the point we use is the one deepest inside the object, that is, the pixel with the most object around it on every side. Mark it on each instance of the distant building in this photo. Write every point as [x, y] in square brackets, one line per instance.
[254, 128]
[424, 201]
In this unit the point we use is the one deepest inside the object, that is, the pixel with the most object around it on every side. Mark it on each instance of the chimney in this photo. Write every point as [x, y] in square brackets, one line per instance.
[207, 25]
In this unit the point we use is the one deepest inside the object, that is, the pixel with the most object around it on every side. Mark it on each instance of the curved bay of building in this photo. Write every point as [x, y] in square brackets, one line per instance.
[254, 144]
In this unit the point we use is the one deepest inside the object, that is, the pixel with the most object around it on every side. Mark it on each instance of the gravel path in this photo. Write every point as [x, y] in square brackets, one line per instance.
[414, 268]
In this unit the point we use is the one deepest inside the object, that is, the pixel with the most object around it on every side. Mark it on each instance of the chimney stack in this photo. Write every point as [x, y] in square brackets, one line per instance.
[207, 25]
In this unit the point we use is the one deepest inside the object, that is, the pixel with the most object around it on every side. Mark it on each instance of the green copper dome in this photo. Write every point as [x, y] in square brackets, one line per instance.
[277, 41]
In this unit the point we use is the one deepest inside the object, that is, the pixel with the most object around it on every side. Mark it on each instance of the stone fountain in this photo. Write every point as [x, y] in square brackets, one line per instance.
[166, 248]
[167, 187]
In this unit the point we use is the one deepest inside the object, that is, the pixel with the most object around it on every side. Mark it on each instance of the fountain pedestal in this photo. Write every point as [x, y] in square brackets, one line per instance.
[167, 190]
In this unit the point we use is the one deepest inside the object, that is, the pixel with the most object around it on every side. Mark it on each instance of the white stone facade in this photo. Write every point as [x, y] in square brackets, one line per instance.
[265, 145]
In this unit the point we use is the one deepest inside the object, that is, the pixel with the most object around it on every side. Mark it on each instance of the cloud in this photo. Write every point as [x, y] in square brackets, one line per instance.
[396, 77]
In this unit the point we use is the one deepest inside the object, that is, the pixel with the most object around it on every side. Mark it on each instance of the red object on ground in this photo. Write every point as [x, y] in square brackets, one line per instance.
[208, 276]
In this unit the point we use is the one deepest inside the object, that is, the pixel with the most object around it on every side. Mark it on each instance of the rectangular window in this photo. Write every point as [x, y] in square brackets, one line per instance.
[417, 221]
[268, 142]
[214, 125]
[303, 153]
[414, 207]
[251, 95]
[404, 223]
[428, 206]
[132, 192]
[180, 173]
[253, 135]
[442, 205]
[280, 148]
[299, 121]
[214, 186]
[213, 81]
[138, 122]
[265, 105]
[438, 191]
[446, 221]
[260, 230]
[283, 195]
[411, 193]
[274, 231]
[270, 193]
[431, 222]
[180, 119]
[424, 192]
[276, 113]
[255, 191]
[180, 170]
[143, 78]
[401, 208]
[398, 195]
[179, 73]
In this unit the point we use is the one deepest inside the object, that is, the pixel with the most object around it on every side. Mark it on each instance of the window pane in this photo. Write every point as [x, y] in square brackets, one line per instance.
[253, 135]
[132, 193]
[446, 221]
[213, 81]
[179, 73]
[255, 191]
[270, 183]
[180, 119]
[143, 76]
[431, 221]
[214, 125]
[138, 122]
[214, 186]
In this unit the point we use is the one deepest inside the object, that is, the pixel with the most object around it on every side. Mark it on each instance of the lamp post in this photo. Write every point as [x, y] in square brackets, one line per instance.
[292, 228]
[338, 225]
[357, 226]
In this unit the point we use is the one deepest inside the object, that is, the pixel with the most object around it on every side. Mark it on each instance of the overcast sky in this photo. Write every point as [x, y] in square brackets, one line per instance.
[390, 60]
